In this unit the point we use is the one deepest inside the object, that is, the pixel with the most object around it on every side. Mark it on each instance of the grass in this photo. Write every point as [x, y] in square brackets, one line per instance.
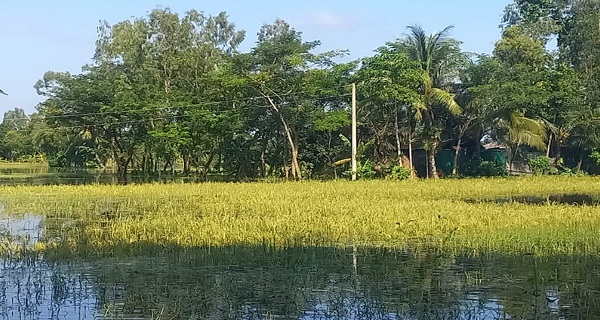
[11, 164]
[412, 214]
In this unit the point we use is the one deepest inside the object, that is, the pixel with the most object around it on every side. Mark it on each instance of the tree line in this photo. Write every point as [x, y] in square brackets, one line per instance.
[173, 93]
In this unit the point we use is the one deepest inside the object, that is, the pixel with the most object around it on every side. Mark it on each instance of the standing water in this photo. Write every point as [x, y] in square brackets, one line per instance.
[297, 283]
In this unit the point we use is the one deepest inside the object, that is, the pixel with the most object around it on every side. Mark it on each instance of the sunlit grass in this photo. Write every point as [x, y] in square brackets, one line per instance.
[10, 164]
[412, 214]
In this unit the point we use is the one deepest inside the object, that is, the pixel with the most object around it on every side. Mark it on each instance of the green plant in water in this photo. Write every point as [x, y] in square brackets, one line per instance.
[105, 219]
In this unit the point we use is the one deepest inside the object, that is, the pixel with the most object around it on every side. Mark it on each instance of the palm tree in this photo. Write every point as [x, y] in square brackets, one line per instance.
[440, 57]
[425, 111]
[2, 92]
[439, 54]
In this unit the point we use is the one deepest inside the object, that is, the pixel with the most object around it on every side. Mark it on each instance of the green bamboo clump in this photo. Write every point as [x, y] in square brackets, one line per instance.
[396, 215]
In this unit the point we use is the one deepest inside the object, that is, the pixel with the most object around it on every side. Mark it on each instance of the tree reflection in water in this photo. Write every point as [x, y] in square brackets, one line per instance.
[300, 283]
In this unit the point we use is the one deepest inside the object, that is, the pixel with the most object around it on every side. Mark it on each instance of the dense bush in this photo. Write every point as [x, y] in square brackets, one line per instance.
[484, 168]
[540, 165]
[398, 173]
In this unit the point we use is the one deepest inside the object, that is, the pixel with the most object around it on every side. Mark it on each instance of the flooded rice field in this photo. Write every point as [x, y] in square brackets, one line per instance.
[297, 283]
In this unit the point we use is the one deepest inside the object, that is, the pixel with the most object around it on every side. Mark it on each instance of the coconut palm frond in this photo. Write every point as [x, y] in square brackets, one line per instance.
[445, 99]
[426, 81]
[2, 92]
[527, 131]
[551, 127]
[417, 43]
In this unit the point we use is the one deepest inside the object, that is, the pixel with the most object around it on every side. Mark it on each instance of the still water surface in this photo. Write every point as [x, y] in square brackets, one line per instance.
[300, 283]
[42, 175]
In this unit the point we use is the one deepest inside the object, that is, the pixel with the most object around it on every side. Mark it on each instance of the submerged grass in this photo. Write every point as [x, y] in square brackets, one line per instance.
[411, 214]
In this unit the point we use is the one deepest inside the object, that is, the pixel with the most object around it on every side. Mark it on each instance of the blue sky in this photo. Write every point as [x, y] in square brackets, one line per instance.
[59, 35]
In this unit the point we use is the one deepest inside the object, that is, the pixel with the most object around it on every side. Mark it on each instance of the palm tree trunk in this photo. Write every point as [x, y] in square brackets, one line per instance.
[557, 150]
[410, 157]
[456, 155]
[397, 131]
[432, 168]
[410, 151]
[427, 166]
[431, 164]
[549, 145]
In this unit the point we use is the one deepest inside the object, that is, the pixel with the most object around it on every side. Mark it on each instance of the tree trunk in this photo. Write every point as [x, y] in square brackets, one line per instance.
[263, 161]
[432, 172]
[397, 131]
[186, 164]
[512, 159]
[122, 163]
[557, 154]
[155, 164]
[207, 164]
[550, 138]
[427, 160]
[144, 164]
[286, 171]
[580, 163]
[557, 150]
[456, 155]
[292, 139]
[477, 137]
[431, 164]
[295, 152]
[410, 151]
[296, 173]
[121, 158]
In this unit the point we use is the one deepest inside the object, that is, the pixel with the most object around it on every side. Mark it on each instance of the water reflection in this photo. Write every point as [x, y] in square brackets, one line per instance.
[43, 175]
[302, 283]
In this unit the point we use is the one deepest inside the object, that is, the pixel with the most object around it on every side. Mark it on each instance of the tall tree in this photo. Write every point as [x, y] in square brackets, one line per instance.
[518, 91]
[283, 71]
[389, 83]
[441, 59]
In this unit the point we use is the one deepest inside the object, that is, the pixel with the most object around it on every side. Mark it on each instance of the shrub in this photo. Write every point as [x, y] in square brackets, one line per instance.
[399, 173]
[484, 168]
[364, 170]
[540, 165]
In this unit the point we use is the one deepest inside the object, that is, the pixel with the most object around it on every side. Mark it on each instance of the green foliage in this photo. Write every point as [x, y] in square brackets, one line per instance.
[484, 168]
[399, 173]
[166, 89]
[540, 165]
[364, 170]
[595, 156]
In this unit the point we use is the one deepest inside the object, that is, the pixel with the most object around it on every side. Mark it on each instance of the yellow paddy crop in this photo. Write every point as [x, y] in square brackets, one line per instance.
[411, 214]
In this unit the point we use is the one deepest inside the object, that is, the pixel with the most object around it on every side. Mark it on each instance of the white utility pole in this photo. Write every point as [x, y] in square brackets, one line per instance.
[354, 134]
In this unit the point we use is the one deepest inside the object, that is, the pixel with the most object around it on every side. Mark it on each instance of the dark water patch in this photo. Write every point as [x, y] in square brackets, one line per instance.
[301, 283]
[572, 199]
